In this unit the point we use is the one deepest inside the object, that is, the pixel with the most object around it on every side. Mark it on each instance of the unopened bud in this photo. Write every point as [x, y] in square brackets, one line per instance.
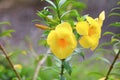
[43, 27]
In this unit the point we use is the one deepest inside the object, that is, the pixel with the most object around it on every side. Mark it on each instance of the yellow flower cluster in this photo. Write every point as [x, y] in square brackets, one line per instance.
[62, 40]
[90, 31]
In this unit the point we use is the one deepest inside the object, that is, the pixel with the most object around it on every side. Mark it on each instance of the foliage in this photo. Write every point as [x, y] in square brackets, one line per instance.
[74, 67]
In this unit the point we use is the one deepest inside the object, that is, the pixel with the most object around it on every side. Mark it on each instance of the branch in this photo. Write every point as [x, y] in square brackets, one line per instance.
[112, 65]
[9, 61]
[39, 66]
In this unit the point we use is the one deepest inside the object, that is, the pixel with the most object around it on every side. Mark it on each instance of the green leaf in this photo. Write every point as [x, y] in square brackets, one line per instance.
[61, 2]
[50, 2]
[49, 61]
[105, 60]
[116, 24]
[5, 22]
[62, 78]
[116, 8]
[95, 73]
[114, 14]
[7, 33]
[82, 55]
[42, 42]
[108, 33]
[118, 3]
[67, 66]
[15, 78]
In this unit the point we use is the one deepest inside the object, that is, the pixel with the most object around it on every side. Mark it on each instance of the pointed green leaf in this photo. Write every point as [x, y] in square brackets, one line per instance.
[108, 33]
[5, 22]
[50, 2]
[95, 73]
[114, 14]
[116, 24]
[7, 33]
[116, 8]
[61, 2]
[105, 60]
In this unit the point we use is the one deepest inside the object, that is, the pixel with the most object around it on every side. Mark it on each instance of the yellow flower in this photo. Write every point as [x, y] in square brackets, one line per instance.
[62, 41]
[90, 31]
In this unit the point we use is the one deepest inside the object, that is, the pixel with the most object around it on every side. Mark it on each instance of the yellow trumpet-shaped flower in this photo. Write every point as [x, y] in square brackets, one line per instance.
[62, 41]
[90, 31]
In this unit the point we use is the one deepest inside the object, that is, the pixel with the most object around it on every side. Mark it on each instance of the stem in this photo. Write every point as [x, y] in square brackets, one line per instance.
[9, 61]
[111, 67]
[58, 11]
[62, 68]
[39, 66]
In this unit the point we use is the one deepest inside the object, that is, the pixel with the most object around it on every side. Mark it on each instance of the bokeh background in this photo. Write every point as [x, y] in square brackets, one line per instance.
[21, 13]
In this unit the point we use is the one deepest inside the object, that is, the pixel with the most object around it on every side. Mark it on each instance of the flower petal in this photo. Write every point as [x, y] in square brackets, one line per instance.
[82, 28]
[92, 21]
[86, 41]
[102, 16]
[95, 45]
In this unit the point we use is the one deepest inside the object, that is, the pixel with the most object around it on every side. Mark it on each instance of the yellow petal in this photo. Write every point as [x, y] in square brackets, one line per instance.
[95, 45]
[82, 28]
[102, 16]
[64, 25]
[92, 21]
[86, 41]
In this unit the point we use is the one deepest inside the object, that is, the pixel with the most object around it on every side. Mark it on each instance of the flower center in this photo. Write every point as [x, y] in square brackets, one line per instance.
[62, 43]
[91, 31]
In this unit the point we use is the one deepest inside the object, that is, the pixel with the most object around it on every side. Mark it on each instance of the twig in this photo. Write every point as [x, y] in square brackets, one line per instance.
[10, 62]
[111, 67]
[39, 66]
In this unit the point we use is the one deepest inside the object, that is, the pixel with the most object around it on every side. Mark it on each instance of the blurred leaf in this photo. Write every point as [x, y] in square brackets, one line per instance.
[67, 66]
[5, 22]
[108, 33]
[15, 78]
[114, 14]
[116, 24]
[116, 74]
[42, 42]
[61, 2]
[118, 3]
[62, 78]
[104, 59]
[39, 78]
[7, 33]
[49, 61]
[50, 2]
[116, 8]
[95, 73]
[82, 55]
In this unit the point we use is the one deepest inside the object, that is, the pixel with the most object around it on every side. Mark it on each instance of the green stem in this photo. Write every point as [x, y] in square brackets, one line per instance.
[10, 62]
[62, 68]
[58, 11]
[112, 65]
